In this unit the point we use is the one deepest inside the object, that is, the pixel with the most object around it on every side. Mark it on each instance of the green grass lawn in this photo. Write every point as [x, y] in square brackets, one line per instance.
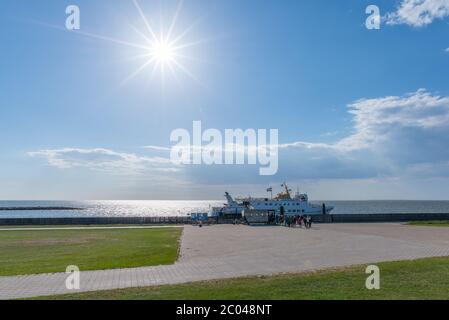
[418, 279]
[83, 226]
[32, 252]
[430, 223]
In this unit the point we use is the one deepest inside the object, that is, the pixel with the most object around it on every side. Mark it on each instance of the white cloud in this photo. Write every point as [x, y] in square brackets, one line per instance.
[447, 50]
[376, 119]
[418, 13]
[392, 135]
[104, 160]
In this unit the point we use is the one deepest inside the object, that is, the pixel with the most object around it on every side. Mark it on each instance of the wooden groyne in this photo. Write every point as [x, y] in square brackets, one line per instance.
[328, 218]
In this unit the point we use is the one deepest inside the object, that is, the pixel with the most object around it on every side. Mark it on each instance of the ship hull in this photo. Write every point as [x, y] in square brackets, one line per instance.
[288, 209]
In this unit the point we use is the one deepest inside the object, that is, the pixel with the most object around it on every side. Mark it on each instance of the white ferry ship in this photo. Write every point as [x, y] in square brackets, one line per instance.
[282, 204]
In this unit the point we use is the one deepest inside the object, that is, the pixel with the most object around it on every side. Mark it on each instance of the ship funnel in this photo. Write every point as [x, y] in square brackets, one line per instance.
[231, 201]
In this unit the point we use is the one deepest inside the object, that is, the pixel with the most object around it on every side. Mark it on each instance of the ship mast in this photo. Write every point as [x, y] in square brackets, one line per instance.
[286, 194]
[287, 190]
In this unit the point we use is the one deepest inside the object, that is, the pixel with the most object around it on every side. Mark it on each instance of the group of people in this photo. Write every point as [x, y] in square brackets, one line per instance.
[297, 221]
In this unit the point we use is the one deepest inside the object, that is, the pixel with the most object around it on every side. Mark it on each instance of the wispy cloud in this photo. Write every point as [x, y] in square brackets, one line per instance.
[104, 160]
[418, 13]
[156, 148]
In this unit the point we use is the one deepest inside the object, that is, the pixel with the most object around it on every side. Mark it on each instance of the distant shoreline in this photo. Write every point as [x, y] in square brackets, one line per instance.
[39, 209]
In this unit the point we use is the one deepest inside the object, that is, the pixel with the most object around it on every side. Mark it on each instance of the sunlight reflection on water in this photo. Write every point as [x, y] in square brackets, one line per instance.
[182, 208]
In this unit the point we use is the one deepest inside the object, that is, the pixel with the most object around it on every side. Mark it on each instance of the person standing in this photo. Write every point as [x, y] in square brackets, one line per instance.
[309, 222]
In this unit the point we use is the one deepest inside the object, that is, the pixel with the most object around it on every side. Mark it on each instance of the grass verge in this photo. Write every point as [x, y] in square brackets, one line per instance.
[34, 252]
[83, 226]
[404, 280]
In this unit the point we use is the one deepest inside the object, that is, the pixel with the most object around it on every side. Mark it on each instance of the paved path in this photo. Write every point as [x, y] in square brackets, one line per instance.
[219, 252]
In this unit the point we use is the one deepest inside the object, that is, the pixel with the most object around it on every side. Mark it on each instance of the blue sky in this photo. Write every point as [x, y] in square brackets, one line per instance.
[362, 114]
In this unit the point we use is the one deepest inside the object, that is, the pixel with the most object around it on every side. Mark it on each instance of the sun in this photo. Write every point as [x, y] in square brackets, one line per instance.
[162, 52]
[164, 49]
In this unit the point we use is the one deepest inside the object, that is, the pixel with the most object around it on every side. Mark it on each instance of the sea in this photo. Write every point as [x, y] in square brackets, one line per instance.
[153, 208]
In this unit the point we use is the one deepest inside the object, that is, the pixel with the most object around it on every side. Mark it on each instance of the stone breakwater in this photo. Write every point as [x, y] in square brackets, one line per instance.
[38, 208]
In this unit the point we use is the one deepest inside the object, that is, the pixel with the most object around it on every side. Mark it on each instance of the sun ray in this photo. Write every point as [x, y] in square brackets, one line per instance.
[96, 36]
[191, 44]
[186, 71]
[137, 72]
[185, 57]
[163, 76]
[187, 30]
[140, 33]
[117, 41]
[173, 73]
[175, 19]
[145, 20]
[161, 27]
[136, 57]
[155, 68]
[162, 49]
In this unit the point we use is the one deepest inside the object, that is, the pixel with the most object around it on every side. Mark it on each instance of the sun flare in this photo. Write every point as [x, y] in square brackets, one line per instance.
[164, 49]
[162, 52]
